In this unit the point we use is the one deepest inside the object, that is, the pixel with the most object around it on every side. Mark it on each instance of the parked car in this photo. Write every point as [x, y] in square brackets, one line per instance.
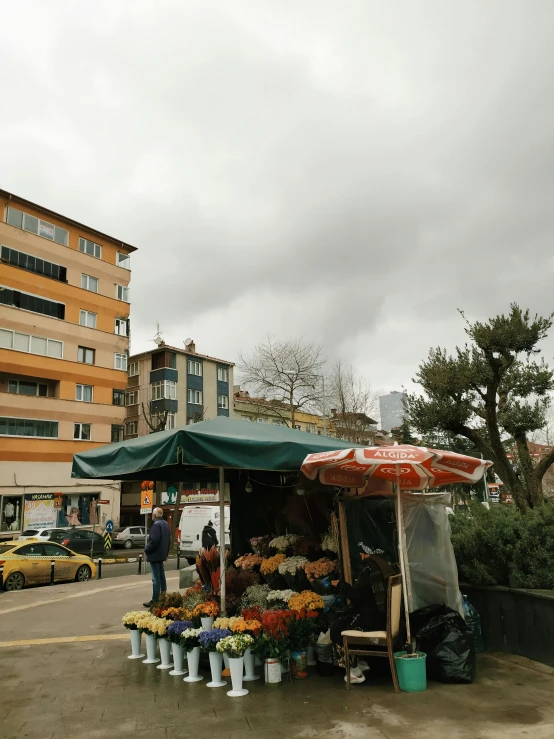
[79, 540]
[128, 537]
[39, 534]
[28, 563]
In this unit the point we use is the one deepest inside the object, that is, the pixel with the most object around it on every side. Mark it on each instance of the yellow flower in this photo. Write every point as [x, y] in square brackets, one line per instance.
[306, 599]
[272, 563]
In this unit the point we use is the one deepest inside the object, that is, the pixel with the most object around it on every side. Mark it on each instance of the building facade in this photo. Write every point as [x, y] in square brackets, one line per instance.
[392, 409]
[64, 341]
[260, 410]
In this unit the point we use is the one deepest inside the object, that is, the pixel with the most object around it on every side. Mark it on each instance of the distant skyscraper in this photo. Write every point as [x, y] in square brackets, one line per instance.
[392, 409]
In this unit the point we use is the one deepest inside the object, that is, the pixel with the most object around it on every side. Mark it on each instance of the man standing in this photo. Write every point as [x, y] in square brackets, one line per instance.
[209, 537]
[157, 550]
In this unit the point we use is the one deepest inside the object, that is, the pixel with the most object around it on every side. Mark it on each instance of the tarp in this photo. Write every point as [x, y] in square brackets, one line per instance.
[220, 442]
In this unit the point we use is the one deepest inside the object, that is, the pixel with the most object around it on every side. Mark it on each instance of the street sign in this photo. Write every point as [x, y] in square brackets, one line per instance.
[107, 541]
[146, 501]
[103, 502]
[109, 526]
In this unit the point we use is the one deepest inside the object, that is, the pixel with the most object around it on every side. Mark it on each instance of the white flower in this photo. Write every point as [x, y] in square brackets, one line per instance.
[284, 595]
[292, 564]
[282, 542]
[329, 542]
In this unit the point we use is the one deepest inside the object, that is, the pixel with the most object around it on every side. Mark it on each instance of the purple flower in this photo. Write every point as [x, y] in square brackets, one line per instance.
[209, 639]
[176, 628]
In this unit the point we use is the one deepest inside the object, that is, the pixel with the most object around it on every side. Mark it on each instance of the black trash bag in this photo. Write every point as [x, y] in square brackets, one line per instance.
[447, 641]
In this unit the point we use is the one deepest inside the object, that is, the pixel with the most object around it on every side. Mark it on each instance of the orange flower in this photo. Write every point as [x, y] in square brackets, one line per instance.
[207, 609]
[272, 563]
[306, 600]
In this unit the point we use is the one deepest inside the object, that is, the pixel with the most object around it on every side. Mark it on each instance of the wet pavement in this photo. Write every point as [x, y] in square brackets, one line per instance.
[89, 689]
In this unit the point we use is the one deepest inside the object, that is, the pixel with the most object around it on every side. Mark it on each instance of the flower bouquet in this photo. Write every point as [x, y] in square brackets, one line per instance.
[166, 600]
[190, 642]
[318, 575]
[193, 596]
[252, 627]
[146, 626]
[307, 546]
[269, 570]
[174, 614]
[234, 647]
[206, 612]
[208, 643]
[301, 633]
[330, 544]
[307, 600]
[159, 628]
[249, 562]
[292, 569]
[284, 543]
[236, 583]
[256, 595]
[208, 566]
[279, 599]
[260, 545]
[129, 621]
[174, 631]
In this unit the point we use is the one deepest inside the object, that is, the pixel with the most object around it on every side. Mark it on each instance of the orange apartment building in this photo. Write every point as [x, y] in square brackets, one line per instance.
[64, 344]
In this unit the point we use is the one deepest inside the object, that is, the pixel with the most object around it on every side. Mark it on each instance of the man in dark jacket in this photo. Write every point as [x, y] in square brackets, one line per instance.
[157, 551]
[209, 537]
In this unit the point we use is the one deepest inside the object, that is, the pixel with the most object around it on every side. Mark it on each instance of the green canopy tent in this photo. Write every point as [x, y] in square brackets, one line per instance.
[220, 443]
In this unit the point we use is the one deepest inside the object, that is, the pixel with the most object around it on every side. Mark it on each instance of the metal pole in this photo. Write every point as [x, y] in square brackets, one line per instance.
[52, 565]
[140, 564]
[145, 540]
[401, 553]
[222, 539]
[99, 570]
[324, 406]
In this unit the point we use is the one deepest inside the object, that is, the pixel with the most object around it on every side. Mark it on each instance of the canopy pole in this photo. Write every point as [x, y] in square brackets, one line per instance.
[222, 539]
[402, 556]
[345, 551]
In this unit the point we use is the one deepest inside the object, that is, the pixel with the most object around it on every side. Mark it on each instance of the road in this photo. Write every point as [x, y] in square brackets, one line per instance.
[131, 568]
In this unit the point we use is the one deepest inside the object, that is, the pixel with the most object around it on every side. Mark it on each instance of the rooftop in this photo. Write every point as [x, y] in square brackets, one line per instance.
[187, 350]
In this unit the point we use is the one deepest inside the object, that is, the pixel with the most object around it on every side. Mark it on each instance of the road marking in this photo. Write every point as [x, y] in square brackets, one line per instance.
[63, 640]
[79, 595]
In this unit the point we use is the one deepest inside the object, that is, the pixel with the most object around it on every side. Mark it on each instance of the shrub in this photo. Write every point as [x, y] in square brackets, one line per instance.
[534, 550]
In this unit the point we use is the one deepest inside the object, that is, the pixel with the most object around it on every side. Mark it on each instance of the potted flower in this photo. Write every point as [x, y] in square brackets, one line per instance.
[234, 647]
[249, 562]
[330, 544]
[129, 621]
[159, 629]
[255, 596]
[279, 599]
[284, 543]
[292, 569]
[145, 626]
[191, 644]
[260, 545]
[273, 643]
[207, 612]
[208, 643]
[318, 574]
[174, 631]
[306, 600]
[253, 627]
[301, 633]
[270, 572]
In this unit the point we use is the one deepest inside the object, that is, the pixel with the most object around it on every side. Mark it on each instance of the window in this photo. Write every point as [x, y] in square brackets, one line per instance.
[22, 387]
[164, 359]
[89, 283]
[85, 355]
[118, 397]
[121, 326]
[34, 264]
[245, 418]
[262, 420]
[32, 344]
[117, 433]
[223, 374]
[82, 431]
[123, 260]
[194, 397]
[164, 389]
[194, 368]
[133, 369]
[122, 293]
[86, 318]
[131, 398]
[53, 550]
[277, 422]
[310, 428]
[298, 427]
[170, 422]
[32, 550]
[120, 361]
[84, 393]
[222, 401]
[157, 418]
[28, 427]
[89, 247]
[131, 427]
[34, 303]
[37, 226]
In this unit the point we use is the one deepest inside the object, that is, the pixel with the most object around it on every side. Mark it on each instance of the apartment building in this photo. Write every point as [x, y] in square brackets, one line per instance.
[261, 410]
[64, 342]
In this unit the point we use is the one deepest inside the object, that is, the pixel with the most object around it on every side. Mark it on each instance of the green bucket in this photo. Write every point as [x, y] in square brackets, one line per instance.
[411, 671]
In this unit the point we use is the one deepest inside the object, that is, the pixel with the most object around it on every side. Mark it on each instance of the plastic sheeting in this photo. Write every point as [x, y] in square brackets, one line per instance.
[431, 560]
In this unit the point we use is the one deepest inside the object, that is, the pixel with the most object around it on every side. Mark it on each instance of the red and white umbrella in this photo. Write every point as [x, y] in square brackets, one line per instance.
[408, 467]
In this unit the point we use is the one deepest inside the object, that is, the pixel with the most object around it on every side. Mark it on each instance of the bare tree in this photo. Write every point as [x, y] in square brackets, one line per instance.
[354, 402]
[155, 421]
[287, 372]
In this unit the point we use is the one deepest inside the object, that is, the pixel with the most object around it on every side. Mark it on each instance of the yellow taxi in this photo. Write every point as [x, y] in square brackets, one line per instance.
[29, 563]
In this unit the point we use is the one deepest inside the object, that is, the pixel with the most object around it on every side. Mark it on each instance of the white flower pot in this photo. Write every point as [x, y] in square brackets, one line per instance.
[178, 660]
[237, 666]
[193, 658]
[216, 665]
[311, 657]
[249, 673]
[151, 643]
[135, 644]
[207, 622]
[165, 654]
[272, 671]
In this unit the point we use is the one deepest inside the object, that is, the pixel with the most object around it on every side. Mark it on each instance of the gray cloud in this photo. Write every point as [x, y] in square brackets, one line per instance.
[352, 174]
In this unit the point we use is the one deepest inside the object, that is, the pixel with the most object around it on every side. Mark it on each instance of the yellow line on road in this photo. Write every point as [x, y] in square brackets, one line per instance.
[63, 640]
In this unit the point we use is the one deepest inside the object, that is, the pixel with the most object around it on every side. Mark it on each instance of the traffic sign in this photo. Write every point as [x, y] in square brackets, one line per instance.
[146, 497]
[107, 541]
[103, 502]
[109, 526]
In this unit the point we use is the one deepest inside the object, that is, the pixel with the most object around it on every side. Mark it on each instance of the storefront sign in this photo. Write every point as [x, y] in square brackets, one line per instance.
[40, 511]
[204, 495]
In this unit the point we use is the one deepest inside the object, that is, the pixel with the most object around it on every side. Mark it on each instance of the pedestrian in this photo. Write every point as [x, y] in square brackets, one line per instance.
[209, 537]
[157, 551]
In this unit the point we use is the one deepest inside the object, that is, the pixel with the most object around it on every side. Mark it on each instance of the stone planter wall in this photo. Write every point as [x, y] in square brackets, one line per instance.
[516, 621]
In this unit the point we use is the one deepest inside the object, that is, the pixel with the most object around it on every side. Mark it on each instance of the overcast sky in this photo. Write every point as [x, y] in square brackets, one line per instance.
[350, 172]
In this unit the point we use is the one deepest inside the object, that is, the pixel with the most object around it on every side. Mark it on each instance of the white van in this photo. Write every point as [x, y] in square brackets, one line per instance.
[193, 520]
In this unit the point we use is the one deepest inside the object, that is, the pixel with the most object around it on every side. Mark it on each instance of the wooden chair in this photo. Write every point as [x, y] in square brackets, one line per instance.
[378, 643]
